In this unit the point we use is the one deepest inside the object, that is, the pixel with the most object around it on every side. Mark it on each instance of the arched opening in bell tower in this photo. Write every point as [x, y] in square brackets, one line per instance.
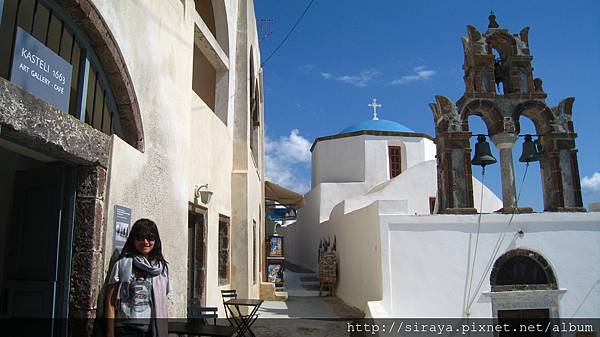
[491, 177]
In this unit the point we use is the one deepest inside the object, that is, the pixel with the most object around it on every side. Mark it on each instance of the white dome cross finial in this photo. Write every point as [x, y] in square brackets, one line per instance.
[374, 105]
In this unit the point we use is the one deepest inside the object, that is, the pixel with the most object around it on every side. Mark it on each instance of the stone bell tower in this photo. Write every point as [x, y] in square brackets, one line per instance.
[500, 88]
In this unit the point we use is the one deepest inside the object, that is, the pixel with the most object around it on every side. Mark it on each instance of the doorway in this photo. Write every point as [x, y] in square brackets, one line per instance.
[36, 224]
[525, 321]
[197, 234]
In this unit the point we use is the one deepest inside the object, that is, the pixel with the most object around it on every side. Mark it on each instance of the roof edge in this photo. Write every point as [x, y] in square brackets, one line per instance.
[372, 133]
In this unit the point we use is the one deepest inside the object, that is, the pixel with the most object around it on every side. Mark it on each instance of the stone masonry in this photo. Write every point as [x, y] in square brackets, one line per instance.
[500, 88]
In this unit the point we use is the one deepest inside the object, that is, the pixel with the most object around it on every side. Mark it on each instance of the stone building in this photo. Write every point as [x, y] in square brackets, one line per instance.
[164, 104]
[412, 235]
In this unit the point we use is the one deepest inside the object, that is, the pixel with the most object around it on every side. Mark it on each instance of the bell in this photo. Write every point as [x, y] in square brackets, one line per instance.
[530, 152]
[483, 154]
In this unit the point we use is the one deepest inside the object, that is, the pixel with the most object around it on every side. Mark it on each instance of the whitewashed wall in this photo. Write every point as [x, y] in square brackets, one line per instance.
[407, 193]
[426, 260]
[364, 158]
[187, 145]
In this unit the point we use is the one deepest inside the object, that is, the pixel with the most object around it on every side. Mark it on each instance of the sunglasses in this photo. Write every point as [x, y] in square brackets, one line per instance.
[142, 237]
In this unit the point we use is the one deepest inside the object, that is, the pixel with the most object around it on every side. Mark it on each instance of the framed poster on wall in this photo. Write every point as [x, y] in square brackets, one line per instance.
[275, 272]
[275, 246]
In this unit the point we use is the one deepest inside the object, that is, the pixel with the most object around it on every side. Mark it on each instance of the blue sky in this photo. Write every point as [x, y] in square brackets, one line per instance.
[344, 53]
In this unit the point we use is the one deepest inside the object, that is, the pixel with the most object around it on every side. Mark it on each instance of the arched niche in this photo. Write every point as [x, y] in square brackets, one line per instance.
[522, 269]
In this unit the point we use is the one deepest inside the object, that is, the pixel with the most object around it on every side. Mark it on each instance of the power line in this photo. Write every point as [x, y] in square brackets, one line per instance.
[289, 33]
[498, 244]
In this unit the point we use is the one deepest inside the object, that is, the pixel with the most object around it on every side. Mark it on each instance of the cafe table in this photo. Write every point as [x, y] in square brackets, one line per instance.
[244, 322]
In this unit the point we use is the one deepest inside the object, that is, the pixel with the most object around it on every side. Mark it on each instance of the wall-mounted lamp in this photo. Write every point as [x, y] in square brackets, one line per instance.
[204, 195]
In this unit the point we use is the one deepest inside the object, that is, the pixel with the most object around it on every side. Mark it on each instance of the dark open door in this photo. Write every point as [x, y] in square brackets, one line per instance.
[525, 322]
[39, 245]
[196, 259]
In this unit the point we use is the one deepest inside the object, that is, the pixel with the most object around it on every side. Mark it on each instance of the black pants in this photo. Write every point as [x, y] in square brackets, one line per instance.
[125, 331]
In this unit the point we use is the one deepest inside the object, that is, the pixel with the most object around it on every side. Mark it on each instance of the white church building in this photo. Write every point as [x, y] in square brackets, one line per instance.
[397, 258]
[401, 208]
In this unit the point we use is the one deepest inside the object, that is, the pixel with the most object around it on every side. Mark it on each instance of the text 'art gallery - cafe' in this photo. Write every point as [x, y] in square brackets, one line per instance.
[112, 111]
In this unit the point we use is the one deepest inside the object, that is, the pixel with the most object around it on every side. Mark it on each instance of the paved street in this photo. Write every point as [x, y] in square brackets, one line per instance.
[304, 313]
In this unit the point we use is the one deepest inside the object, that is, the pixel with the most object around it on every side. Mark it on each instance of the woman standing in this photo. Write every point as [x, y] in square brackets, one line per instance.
[138, 286]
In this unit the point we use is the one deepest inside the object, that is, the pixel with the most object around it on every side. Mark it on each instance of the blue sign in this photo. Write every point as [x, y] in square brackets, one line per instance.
[39, 70]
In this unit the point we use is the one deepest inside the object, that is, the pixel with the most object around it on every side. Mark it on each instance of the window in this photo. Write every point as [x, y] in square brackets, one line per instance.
[91, 99]
[521, 269]
[254, 251]
[224, 258]
[395, 157]
[210, 79]
[254, 111]
[197, 233]
[254, 125]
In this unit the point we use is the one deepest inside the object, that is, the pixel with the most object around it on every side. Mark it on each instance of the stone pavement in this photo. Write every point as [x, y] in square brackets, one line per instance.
[304, 313]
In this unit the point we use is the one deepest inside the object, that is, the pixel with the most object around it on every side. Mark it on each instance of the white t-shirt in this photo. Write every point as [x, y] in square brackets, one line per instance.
[136, 309]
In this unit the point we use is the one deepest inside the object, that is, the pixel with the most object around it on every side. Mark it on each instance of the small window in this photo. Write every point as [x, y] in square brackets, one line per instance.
[223, 251]
[395, 154]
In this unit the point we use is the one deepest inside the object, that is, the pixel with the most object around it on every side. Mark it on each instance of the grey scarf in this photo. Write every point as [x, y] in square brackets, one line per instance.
[160, 288]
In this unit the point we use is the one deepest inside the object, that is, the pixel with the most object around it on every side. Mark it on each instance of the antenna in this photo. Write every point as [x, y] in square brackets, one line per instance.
[265, 28]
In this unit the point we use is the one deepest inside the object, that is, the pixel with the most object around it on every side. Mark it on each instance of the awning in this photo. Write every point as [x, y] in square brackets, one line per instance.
[283, 196]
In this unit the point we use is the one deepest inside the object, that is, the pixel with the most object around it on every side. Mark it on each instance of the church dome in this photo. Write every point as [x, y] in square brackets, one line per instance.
[376, 125]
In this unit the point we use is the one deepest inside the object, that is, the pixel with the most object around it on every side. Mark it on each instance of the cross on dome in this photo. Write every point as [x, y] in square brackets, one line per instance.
[374, 105]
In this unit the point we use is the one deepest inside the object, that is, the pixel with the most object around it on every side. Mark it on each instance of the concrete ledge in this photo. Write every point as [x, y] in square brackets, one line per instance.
[33, 123]
[571, 209]
[469, 210]
[209, 46]
[268, 293]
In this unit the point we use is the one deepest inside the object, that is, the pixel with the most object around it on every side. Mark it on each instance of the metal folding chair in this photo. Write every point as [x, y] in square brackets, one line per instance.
[234, 319]
[204, 313]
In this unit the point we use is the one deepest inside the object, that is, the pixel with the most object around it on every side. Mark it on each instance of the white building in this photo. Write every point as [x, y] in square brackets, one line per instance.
[396, 259]
[403, 213]
[166, 96]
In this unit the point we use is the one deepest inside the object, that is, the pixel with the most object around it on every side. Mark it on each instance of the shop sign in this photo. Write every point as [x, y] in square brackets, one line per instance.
[39, 70]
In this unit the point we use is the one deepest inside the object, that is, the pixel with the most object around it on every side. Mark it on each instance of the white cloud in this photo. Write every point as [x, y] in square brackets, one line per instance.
[293, 148]
[326, 75]
[307, 68]
[591, 184]
[422, 73]
[284, 157]
[360, 80]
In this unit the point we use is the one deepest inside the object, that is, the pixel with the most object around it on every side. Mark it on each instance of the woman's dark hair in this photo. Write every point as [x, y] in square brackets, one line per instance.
[144, 227]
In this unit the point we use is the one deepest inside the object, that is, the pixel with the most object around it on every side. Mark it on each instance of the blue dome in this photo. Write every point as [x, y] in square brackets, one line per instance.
[377, 125]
